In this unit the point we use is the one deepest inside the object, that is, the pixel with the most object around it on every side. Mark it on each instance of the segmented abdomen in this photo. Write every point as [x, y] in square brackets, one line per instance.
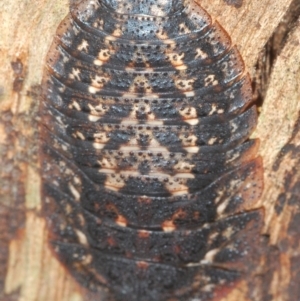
[149, 175]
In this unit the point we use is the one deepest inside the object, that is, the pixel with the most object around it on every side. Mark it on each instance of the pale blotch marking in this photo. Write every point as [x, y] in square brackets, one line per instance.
[184, 84]
[212, 237]
[143, 234]
[93, 118]
[74, 192]
[75, 105]
[99, 24]
[121, 221]
[212, 141]
[98, 146]
[157, 10]
[81, 219]
[118, 31]
[188, 112]
[189, 94]
[210, 80]
[234, 127]
[228, 232]
[83, 46]
[191, 140]
[68, 209]
[64, 147]
[82, 238]
[177, 60]
[98, 110]
[86, 260]
[105, 163]
[183, 29]
[183, 166]
[75, 74]
[162, 35]
[222, 207]
[200, 54]
[103, 56]
[142, 82]
[62, 89]
[146, 108]
[213, 109]
[97, 83]
[101, 137]
[133, 95]
[77, 180]
[168, 226]
[192, 149]
[93, 90]
[79, 135]
[209, 256]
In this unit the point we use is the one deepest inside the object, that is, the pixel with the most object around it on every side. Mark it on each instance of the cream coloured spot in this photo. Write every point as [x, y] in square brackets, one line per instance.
[118, 31]
[83, 46]
[189, 140]
[103, 56]
[79, 135]
[74, 192]
[168, 226]
[98, 24]
[192, 149]
[228, 232]
[77, 180]
[222, 207]
[234, 127]
[209, 256]
[210, 80]
[64, 147]
[162, 35]
[176, 59]
[213, 109]
[190, 115]
[129, 148]
[157, 10]
[82, 238]
[183, 28]
[200, 54]
[99, 81]
[101, 137]
[68, 209]
[75, 74]
[98, 145]
[93, 90]
[81, 219]
[121, 221]
[183, 166]
[184, 84]
[86, 260]
[140, 82]
[75, 105]
[93, 118]
[98, 110]
[212, 140]
[189, 94]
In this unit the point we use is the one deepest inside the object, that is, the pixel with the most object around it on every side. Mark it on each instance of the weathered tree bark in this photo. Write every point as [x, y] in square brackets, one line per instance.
[28, 270]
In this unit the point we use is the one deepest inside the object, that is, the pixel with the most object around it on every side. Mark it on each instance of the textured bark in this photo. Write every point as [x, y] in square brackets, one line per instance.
[28, 270]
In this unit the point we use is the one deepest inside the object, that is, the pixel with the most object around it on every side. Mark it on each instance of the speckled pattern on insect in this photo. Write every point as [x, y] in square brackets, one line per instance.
[149, 175]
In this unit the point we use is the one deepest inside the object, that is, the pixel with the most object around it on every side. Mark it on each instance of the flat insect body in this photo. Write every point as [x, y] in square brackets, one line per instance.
[150, 179]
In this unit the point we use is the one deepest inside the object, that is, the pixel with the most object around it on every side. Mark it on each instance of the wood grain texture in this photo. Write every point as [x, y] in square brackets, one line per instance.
[30, 272]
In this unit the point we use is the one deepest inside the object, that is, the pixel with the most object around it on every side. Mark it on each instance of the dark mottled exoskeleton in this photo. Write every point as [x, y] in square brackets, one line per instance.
[149, 175]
